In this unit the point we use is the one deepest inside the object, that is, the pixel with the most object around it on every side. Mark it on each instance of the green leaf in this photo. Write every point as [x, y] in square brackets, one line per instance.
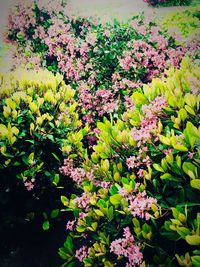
[69, 244]
[139, 99]
[56, 157]
[180, 148]
[164, 140]
[64, 200]
[102, 126]
[193, 240]
[113, 189]
[166, 176]
[189, 168]
[190, 110]
[99, 213]
[183, 231]
[196, 261]
[50, 137]
[54, 213]
[195, 184]
[80, 228]
[45, 225]
[45, 215]
[47, 173]
[94, 225]
[110, 213]
[190, 134]
[158, 167]
[30, 141]
[116, 199]
[56, 179]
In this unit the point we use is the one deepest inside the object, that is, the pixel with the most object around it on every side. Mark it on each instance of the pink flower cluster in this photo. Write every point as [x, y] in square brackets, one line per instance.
[23, 17]
[148, 125]
[126, 247]
[83, 202]
[140, 204]
[28, 184]
[97, 103]
[70, 225]
[67, 168]
[152, 59]
[139, 160]
[77, 174]
[82, 253]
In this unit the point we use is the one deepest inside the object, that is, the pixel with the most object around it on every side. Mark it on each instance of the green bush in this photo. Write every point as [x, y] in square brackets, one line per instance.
[140, 185]
[38, 121]
[168, 2]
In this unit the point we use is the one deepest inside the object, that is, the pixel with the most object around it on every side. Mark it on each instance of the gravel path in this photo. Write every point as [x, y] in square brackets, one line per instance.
[121, 9]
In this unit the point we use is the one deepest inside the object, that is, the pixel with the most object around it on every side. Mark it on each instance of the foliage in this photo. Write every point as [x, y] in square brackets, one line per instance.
[38, 121]
[182, 25]
[140, 185]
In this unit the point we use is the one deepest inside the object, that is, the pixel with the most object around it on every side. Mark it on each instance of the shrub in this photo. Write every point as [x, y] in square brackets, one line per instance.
[186, 23]
[106, 63]
[168, 2]
[38, 124]
[140, 186]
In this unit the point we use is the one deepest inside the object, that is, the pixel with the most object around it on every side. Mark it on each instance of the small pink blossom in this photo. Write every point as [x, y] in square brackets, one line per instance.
[29, 184]
[140, 173]
[67, 168]
[140, 204]
[125, 247]
[82, 253]
[190, 155]
[131, 162]
[70, 225]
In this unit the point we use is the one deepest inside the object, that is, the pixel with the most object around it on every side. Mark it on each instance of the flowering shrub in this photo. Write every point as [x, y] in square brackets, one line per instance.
[138, 202]
[120, 146]
[168, 2]
[106, 63]
[38, 124]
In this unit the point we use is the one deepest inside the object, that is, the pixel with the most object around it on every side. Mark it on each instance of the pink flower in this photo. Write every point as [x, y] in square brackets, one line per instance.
[107, 33]
[82, 253]
[67, 168]
[140, 204]
[70, 225]
[83, 202]
[125, 247]
[91, 39]
[168, 151]
[123, 192]
[190, 155]
[82, 215]
[131, 162]
[29, 184]
[77, 175]
[140, 173]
